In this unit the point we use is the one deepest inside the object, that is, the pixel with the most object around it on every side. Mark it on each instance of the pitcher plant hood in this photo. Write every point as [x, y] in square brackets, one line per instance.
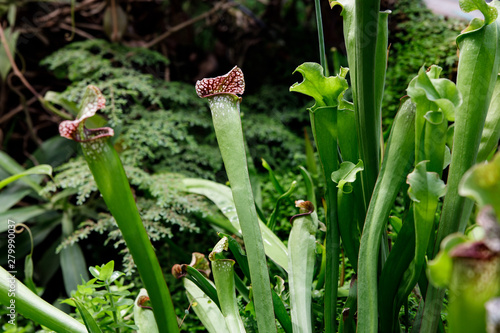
[92, 101]
[232, 83]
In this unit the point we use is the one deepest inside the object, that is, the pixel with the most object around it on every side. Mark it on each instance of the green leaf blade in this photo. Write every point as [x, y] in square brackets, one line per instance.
[206, 310]
[222, 197]
[89, 321]
[34, 307]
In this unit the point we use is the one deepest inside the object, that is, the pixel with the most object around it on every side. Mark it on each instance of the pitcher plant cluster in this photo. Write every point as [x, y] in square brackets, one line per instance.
[439, 163]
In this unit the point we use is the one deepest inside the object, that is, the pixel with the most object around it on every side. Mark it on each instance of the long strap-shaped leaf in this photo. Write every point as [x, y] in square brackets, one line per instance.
[43, 169]
[398, 160]
[401, 256]
[207, 311]
[8, 164]
[222, 197]
[33, 307]
[491, 130]
[72, 260]
[89, 321]
[110, 177]
[366, 33]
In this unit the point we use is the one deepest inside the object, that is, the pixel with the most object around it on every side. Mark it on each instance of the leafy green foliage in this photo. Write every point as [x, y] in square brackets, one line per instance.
[161, 203]
[24, 325]
[107, 298]
[152, 139]
[419, 38]
[164, 125]
[287, 209]
[162, 130]
[160, 123]
[274, 141]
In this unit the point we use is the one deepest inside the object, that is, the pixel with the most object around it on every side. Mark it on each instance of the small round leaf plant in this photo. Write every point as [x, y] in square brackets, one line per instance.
[110, 177]
[222, 94]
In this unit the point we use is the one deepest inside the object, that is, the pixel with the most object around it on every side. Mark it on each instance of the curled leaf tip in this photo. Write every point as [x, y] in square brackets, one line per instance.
[488, 220]
[306, 208]
[92, 101]
[475, 250]
[142, 301]
[200, 262]
[178, 271]
[489, 11]
[68, 128]
[232, 83]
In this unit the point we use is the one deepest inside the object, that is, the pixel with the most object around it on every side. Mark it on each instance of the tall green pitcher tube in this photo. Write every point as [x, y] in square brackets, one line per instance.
[221, 93]
[110, 177]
